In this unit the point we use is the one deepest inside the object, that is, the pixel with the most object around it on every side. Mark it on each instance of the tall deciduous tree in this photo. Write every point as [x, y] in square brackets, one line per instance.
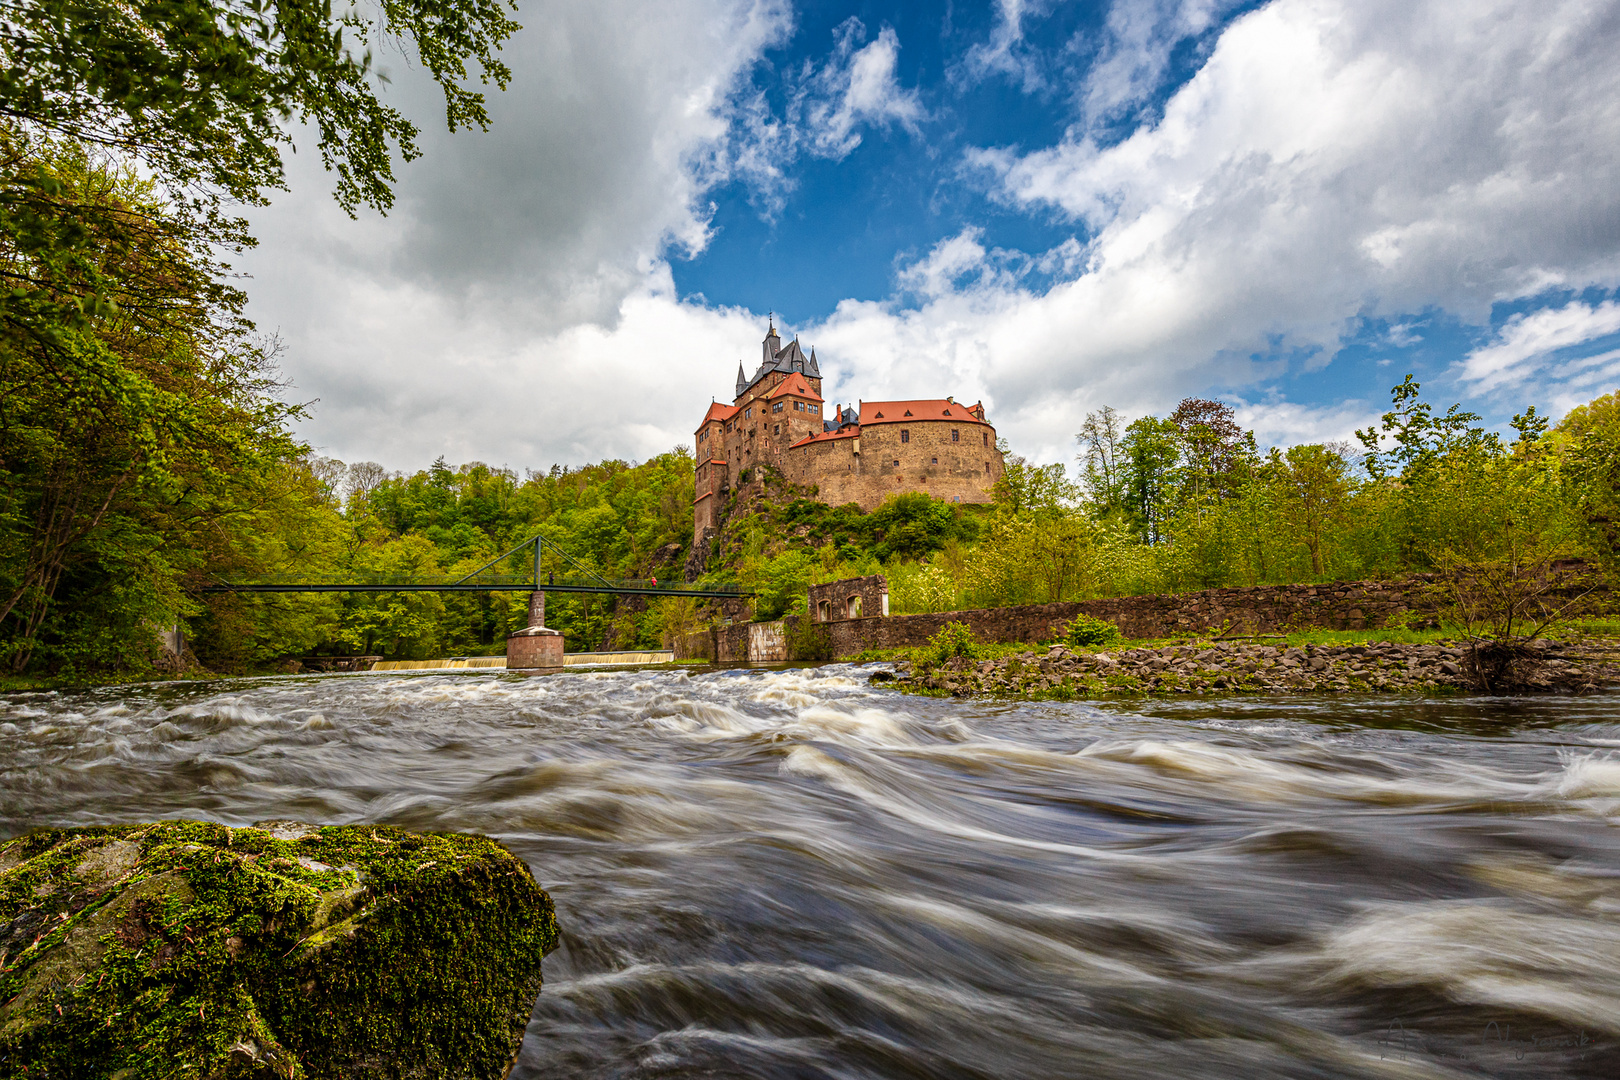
[1152, 454]
[1315, 481]
[1101, 440]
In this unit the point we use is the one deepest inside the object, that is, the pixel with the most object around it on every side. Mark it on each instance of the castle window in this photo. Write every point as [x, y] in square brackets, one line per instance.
[936, 461]
[816, 409]
[748, 414]
[905, 436]
[777, 407]
[987, 438]
[777, 430]
[897, 463]
[956, 436]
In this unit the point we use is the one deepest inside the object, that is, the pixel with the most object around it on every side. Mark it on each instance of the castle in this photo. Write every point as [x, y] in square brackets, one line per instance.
[860, 454]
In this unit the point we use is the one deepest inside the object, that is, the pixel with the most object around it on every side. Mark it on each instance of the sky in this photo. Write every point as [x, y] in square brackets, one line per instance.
[1048, 206]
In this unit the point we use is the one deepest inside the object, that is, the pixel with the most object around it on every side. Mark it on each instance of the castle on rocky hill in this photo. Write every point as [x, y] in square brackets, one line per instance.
[855, 454]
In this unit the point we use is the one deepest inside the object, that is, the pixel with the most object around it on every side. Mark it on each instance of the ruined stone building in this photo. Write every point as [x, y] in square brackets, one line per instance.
[858, 454]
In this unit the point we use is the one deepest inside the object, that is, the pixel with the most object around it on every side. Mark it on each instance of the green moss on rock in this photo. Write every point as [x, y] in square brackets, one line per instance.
[189, 949]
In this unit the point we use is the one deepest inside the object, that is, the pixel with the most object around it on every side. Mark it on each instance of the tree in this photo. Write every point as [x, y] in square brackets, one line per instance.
[1024, 485]
[1152, 453]
[1315, 481]
[1213, 447]
[1100, 438]
[204, 93]
[146, 408]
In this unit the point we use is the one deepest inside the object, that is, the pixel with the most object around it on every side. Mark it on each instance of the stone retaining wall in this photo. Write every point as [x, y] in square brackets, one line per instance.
[1352, 605]
[1345, 605]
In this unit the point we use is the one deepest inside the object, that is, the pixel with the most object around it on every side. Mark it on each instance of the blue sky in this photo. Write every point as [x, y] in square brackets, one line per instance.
[1051, 206]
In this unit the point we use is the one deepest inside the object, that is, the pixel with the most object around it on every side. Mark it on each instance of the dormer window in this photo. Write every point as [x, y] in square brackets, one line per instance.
[880, 416]
[908, 412]
[947, 412]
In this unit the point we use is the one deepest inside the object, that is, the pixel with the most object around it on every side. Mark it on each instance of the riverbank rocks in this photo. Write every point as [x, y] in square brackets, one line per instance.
[1057, 672]
[188, 949]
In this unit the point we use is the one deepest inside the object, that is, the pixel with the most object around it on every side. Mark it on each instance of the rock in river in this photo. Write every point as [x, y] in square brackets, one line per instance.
[189, 949]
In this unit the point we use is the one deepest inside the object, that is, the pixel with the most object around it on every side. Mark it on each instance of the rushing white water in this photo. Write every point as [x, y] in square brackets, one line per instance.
[787, 873]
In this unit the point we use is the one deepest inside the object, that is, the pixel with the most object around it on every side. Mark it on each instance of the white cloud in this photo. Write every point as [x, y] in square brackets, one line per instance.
[857, 86]
[1134, 55]
[1286, 423]
[1006, 53]
[471, 320]
[582, 393]
[1536, 336]
[1331, 161]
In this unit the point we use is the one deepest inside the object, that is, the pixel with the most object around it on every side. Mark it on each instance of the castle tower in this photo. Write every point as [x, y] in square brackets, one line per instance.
[771, 345]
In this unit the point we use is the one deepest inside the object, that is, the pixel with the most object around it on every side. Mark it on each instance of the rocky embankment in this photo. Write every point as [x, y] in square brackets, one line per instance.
[189, 949]
[1227, 667]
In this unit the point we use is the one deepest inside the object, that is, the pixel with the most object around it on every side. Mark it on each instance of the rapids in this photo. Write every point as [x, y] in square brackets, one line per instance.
[787, 873]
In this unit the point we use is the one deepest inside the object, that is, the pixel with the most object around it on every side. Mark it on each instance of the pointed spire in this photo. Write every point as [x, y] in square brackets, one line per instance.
[742, 380]
[771, 345]
[813, 369]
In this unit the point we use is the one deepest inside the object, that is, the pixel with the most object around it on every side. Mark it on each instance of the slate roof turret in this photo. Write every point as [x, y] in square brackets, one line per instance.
[787, 359]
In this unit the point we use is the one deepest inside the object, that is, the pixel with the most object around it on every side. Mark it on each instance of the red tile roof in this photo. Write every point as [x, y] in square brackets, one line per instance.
[717, 411]
[896, 412]
[850, 432]
[795, 384]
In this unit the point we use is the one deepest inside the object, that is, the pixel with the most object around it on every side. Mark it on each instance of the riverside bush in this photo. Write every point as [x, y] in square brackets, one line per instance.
[1084, 630]
[953, 640]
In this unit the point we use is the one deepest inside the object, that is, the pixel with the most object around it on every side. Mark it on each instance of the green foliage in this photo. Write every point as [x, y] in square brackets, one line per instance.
[1086, 630]
[203, 92]
[809, 640]
[1026, 487]
[1151, 481]
[954, 639]
[920, 587]
[144, 448]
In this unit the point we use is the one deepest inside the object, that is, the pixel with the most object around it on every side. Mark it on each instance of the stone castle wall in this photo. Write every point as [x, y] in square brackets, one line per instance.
[953, 461]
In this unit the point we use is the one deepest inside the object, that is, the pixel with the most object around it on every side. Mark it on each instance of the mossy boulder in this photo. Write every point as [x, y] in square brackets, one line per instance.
[189, 949]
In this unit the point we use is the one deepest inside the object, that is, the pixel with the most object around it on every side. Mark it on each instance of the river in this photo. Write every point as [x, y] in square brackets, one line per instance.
[787, 873]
